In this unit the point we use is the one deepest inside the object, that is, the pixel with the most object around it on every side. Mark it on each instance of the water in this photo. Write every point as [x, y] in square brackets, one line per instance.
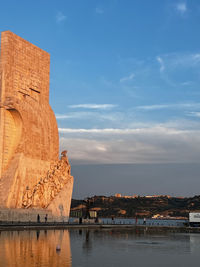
[91, 248]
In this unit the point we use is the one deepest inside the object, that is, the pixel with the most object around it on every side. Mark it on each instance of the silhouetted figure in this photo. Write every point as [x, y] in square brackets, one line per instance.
[46, 218]
[144, 221]
[38, 218]
[87, 212]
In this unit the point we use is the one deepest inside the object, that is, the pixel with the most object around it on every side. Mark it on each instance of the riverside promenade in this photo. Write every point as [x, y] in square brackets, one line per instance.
[20, 226]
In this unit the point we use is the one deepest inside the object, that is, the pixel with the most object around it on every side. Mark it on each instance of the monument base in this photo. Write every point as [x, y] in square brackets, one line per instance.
[26, 215]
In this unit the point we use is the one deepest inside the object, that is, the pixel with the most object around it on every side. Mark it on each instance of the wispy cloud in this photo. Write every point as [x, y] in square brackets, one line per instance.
[176, 68]
[99, 10]
[75, 115]
[62, 116]
[93, 117]
[181, 7]
[194, 114]
[161, 62]
[93, 106]
[187, 83]
[127, 78]
[153, 107]
[183, 60]
[141, 145]
[170, 106]
[98, 131]
[101, 147]
[60, 17]
[196, 58]
[119, 131]
[172, 61]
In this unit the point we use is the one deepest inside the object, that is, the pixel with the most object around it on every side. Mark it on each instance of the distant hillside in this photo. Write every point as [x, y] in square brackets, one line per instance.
[139, 206]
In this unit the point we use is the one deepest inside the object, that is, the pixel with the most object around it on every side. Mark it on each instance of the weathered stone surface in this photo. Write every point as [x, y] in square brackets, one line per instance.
[31, 174]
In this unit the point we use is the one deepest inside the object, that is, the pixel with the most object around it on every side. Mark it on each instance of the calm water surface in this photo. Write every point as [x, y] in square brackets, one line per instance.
[98, 248]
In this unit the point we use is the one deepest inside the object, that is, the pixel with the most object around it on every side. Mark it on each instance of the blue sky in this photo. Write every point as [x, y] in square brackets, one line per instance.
[125, 75]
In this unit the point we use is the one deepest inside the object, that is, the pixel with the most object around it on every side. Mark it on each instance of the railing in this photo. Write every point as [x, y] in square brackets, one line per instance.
[103, 221]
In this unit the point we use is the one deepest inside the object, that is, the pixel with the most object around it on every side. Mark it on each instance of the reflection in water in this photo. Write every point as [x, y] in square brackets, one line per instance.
[38, 234]
[131, 248]
[35, 248]
[87, 244]
[195, 243]
[98, 247]
[80, 232]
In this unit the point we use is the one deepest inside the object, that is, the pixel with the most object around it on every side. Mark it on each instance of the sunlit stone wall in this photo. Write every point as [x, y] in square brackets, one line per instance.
[29, 142]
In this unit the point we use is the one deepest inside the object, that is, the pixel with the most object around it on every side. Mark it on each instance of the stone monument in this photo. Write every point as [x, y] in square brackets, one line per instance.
[33, 180]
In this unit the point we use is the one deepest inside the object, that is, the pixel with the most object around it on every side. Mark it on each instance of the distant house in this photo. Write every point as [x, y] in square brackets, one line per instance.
[81, 213]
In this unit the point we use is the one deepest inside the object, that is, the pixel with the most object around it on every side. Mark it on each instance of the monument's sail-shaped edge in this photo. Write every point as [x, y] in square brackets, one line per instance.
[33, 180]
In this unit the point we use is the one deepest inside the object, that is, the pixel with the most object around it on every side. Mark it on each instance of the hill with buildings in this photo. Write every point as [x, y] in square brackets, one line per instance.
[138, 206]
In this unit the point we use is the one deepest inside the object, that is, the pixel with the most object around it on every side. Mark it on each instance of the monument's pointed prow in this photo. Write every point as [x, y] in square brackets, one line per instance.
[32, 177]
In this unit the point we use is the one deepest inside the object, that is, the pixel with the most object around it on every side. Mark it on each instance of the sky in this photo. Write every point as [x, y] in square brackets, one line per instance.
[124, 82]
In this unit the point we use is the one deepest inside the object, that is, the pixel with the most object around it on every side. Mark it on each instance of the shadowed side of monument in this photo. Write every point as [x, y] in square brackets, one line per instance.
[31, 174]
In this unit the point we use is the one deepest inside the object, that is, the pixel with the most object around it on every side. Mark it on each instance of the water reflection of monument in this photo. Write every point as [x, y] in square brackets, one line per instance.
[35, 248]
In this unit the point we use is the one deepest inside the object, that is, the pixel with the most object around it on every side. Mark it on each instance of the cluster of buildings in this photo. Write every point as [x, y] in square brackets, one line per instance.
[148, 196]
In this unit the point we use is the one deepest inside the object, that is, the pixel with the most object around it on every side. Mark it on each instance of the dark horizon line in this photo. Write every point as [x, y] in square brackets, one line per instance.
[146, 163]
[135, 197]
